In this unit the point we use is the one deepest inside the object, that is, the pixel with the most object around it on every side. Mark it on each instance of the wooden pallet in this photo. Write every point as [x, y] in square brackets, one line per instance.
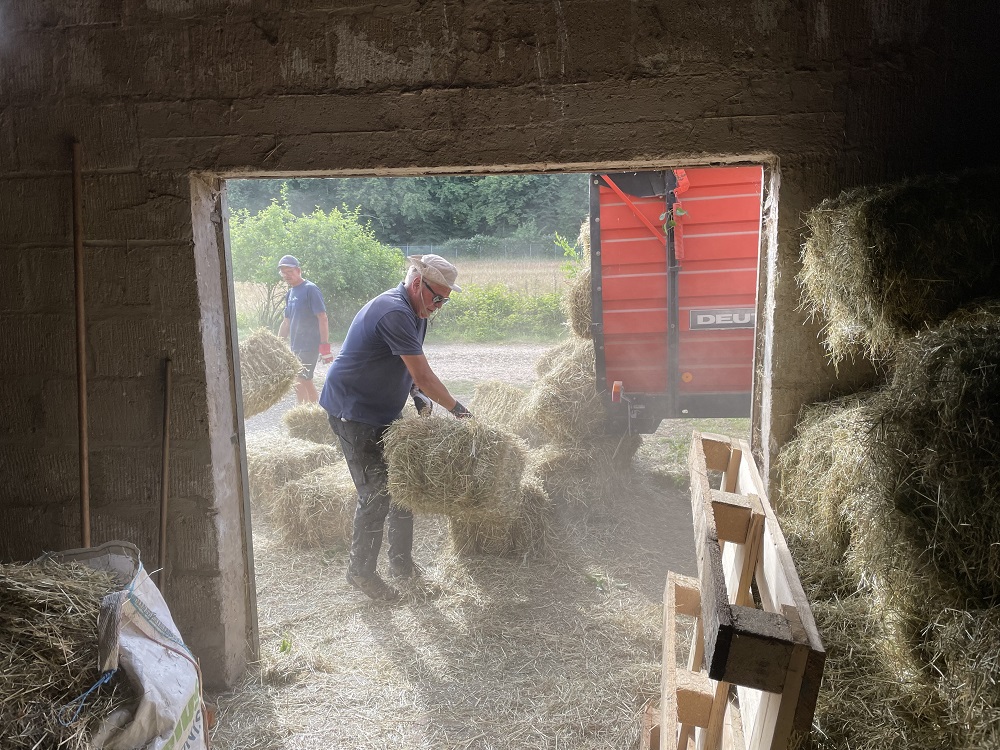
[756, 659]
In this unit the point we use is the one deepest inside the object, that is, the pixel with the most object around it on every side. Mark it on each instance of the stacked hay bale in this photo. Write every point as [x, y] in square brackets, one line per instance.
[49, 652]
[273, 460]
[317, 510]
[891, 498]
[563, 418]
[309, 422]
[473, 474]
[267, 371]
[883, 263]
[576, 302]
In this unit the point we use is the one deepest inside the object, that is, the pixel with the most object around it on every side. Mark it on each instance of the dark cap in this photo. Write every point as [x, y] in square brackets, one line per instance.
[288, 260]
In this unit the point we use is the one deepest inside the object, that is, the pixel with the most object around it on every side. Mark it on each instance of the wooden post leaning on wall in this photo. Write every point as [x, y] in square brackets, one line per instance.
[81, 344]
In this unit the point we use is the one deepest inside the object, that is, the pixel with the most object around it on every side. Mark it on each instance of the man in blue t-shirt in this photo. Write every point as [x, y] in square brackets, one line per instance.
[380, 364]
[305, 325]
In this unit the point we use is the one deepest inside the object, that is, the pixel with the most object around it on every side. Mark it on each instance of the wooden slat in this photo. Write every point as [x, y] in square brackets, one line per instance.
[679, 592]
[649, 731]
[779, 586]
[695, 695]
[732, 515]
[716, 449]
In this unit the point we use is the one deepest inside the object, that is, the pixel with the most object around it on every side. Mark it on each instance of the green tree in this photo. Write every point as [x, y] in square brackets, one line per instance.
[433, 210]
[338, 253]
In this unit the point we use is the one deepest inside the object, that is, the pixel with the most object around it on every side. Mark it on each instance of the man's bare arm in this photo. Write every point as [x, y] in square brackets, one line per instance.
[324, 328]
[283, 330]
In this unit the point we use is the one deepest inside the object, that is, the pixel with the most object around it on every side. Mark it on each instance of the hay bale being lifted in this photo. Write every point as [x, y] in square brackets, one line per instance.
[460, 468]
[273, 460]
[310, 422]
[267, 371]
[882, 263]
[317, 511]
[49, 653]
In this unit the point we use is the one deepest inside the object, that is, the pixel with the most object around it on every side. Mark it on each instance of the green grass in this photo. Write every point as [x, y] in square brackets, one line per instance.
[666, 450]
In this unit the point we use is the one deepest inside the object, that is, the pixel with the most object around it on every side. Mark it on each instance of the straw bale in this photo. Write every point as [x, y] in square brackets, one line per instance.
[318, 509]
[563, 404]
[462, 468]
[940, 433]
[273, 460]
[593, 473]
[267, 371]
[49, 653]
[964, 651]
[525, 534]
[558, 353]
[882, 263]
[860, 704]
[499, 404]
[577, 305]
[583, 239]
[825, 472]
[310, 422]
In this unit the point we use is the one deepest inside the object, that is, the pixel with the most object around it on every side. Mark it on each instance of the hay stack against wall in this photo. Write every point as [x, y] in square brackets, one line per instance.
[49, 655]
[317, 511]
[941, 423]
[883, 263]
[459, 468]
[309, 422]
[273, 460]
[905, 519]
[267, 371]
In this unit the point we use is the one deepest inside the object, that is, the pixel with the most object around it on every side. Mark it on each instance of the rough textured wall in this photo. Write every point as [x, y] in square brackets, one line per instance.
[830, 94]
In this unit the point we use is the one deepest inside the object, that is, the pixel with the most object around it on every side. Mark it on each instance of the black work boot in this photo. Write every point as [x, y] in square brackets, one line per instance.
[372, 586]
[403, 568]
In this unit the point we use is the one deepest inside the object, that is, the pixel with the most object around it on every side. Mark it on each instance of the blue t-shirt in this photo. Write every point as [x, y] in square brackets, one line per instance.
[368, 381]
[302, 304]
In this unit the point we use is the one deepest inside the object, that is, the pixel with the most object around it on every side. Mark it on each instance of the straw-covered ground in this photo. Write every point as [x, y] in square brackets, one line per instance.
[544, 650]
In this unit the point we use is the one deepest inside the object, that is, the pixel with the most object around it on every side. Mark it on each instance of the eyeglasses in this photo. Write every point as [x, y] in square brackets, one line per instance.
[436, 299]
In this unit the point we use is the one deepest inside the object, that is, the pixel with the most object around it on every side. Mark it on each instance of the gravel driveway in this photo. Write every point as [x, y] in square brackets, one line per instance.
[459, 366]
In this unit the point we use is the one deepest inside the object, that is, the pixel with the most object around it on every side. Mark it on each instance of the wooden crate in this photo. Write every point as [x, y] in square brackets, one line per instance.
[756, 660]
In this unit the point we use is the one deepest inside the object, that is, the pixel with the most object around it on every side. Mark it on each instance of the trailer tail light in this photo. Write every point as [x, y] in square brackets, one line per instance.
[616, 392]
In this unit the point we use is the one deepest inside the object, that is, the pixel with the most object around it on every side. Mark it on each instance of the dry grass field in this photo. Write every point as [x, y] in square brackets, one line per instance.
[523, 275]
[526, 275]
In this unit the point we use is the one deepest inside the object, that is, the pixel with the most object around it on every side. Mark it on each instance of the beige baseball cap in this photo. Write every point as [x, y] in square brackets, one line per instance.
[436, 269]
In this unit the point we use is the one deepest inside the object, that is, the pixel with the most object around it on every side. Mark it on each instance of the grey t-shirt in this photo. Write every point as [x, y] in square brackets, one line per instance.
[302, 304]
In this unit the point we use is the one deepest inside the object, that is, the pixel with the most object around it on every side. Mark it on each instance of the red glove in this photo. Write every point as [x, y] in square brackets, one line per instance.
[324, 354]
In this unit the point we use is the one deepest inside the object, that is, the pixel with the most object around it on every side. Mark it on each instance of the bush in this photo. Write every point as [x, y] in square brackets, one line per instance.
[497, 313]
[337, 252]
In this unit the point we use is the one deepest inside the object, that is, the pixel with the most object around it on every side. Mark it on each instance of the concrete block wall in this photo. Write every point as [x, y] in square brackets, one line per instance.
[168, 97]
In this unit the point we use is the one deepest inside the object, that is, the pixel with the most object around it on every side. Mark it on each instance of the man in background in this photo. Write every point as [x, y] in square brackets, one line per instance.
[380, 365]
[305, 326]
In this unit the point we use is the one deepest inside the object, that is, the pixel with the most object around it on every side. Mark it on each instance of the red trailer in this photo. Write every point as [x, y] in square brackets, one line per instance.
[674, 258]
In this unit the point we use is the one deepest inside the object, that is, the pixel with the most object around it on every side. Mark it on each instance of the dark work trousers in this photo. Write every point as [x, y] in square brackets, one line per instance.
[362, 446]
